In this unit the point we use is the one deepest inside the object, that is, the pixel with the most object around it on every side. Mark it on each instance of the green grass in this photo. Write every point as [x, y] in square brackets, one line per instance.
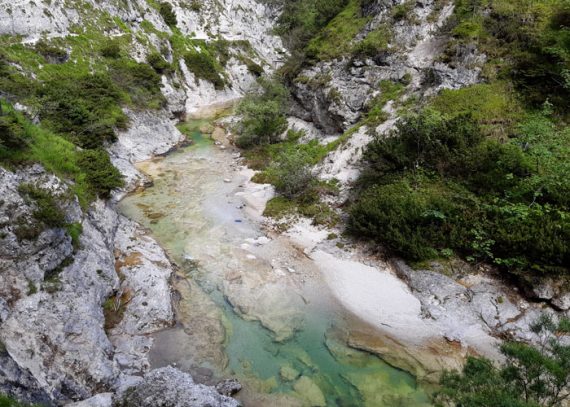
[335, 40]
[495, 106]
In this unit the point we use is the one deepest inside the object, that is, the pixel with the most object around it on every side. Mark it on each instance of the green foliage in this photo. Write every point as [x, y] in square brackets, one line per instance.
[494, 106]
[100, 173]
[168, 14]
[532, 376]
[46, 211]
[292, 174]
[437, 183]
[49, 52]
[527, 41]
[301, 20]
[111, 49]
[204, 66]
[335, 39]
[263, 115]
[6, 401]
[140, 81]
[158, 63]
[85, 108]
[414, 216]
[74, 231]
[375, 42]
[12, 133]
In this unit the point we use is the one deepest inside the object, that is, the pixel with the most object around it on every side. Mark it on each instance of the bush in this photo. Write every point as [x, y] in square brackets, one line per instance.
[47, 210]
[436, 184]
[263, 115]
[415, 217]
[100, 173]
[111, 50]
[158, 63]
[86, 108]
[140, 81]
[12, 133]
[204, 66]
[51, 53]
[531, 376]
[292, 174]
[168, 14]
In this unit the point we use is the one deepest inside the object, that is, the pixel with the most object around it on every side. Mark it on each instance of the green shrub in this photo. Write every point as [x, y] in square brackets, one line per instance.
[374, 43]
[263, 115]
[46, 211]
[292, 174]
[50, 52]
[168, 14]
[140, 81]
[6, 401]
[158, 63]
[111, 50]
[530, 377]
[100, 173]
[12, 133]
[414, 217]
[86, 109]
[204, 66]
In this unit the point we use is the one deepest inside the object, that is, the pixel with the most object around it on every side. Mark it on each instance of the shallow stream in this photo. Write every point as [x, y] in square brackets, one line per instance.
[251, 306]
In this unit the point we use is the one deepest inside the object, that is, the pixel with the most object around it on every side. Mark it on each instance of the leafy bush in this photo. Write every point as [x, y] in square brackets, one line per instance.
[50, 52]
[292, 174]
[47, 210]
[111, 50]
[204, 66]
[158, 63]
[168, 14]
[436, 183]
[263, 115]
[140, 81]
[85, 109]
[100, 173]
[531, 377]
[12, 133]
[414, 216]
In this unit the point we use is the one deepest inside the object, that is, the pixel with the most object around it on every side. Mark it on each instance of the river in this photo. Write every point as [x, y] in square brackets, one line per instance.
[249, 303]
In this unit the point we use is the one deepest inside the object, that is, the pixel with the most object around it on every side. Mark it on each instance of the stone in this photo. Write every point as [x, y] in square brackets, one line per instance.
[228, 387]
[562, 302]
[99, 400]
[169, 387]
[288, 373]
[310, 392]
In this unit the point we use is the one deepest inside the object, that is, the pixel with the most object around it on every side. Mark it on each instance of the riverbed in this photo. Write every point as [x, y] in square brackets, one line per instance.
[250, 303]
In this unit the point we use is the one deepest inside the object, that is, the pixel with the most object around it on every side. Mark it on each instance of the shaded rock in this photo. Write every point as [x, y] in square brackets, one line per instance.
[228, 387]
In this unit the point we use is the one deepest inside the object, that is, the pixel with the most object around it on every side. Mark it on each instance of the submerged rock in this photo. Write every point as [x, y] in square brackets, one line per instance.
[309, 392]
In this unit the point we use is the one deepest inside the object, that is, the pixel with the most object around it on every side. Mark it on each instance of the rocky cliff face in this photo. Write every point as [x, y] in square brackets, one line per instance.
[75, 313]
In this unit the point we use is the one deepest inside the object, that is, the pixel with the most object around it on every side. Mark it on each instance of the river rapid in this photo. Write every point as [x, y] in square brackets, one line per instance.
[249, 303]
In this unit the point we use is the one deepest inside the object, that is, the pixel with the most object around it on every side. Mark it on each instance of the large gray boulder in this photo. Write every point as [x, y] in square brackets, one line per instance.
[169, 387]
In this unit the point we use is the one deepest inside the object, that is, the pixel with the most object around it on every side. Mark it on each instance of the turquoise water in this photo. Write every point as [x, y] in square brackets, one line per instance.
[202, 227]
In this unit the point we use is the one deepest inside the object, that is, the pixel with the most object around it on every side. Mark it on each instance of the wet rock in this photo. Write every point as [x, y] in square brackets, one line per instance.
[288, 373]
[309, 392]
[228, 387]
[169, 387]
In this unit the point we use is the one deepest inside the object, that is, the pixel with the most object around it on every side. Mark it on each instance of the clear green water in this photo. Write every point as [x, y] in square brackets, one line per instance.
[200, 220]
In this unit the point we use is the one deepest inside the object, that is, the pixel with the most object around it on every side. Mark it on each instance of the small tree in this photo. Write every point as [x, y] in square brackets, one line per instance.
[531, 376]
[263, 115]
[292, 174]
